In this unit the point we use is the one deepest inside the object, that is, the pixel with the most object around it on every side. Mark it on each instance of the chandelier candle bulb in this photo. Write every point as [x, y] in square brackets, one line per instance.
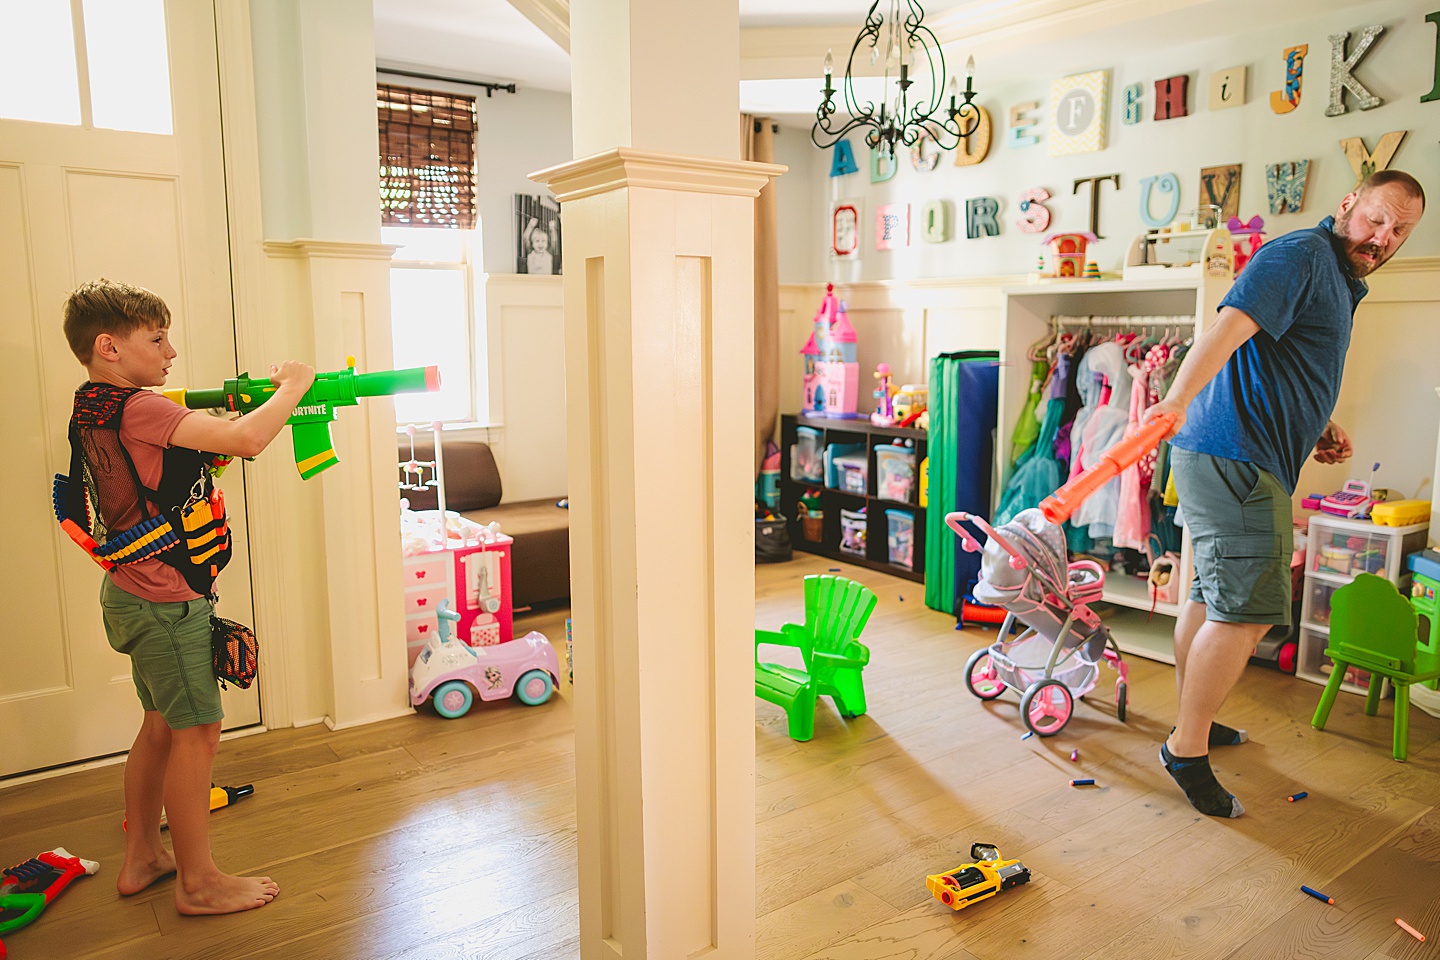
[969, 74]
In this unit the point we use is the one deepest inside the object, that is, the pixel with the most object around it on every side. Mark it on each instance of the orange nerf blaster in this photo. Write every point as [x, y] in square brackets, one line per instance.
[1059, 505]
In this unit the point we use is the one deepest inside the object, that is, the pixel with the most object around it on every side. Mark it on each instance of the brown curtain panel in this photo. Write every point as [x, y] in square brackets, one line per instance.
[757, 143]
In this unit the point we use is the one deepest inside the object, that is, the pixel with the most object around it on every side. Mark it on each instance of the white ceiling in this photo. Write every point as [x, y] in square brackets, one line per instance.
[786, 39]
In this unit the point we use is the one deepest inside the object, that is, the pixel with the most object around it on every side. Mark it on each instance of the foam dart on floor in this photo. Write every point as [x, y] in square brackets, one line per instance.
[1058, 507]
[219, 797]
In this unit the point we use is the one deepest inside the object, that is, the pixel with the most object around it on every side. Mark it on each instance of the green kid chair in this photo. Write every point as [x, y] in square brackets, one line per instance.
[836, 610]
[1374, 628]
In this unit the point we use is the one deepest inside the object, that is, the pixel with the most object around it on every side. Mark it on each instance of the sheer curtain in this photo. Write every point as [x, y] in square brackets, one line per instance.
[757, 143]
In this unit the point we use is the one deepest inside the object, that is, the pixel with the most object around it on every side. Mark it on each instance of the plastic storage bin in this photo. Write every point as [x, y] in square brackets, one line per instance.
[852, 532]
[901, 538]
[806, 462]
[845, 467]
[894, 472]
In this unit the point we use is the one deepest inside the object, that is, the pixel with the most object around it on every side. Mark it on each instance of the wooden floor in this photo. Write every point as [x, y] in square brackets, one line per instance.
[421, 837]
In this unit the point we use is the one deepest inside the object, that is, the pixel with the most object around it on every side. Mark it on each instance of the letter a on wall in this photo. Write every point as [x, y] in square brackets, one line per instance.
[1285, 183]
[843, 160]
[1363, 161]
[1288, 98]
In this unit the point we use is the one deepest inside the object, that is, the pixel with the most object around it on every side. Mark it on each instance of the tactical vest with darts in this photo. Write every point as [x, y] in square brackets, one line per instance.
[185, 525]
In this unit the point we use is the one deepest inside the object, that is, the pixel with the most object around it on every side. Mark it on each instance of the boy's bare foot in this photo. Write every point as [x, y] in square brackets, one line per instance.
[223, 893]
[135, 877]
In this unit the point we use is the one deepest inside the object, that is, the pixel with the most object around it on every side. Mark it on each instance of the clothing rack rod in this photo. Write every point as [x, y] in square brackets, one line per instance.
[1122, 321]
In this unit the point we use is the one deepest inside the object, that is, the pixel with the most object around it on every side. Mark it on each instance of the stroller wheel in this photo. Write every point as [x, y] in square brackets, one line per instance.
[1047, 707]
[1121, 696]
[981, 677]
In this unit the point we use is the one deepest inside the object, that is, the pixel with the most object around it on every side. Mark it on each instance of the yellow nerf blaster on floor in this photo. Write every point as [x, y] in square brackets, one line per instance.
[310, 423]
[972, 882]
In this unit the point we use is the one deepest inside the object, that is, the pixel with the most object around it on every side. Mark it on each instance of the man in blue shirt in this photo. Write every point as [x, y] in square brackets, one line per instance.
[1259, 388]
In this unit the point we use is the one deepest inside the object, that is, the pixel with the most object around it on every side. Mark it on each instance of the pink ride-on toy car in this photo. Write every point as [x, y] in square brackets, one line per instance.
[452, 674]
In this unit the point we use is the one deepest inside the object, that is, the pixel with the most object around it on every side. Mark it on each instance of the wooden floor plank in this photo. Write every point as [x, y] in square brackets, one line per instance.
[420, 837]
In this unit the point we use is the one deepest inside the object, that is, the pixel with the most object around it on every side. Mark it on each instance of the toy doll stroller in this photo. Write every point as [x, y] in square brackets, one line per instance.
[1056, 657]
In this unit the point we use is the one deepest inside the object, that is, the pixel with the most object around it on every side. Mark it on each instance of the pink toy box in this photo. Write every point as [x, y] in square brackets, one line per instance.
[473, 572]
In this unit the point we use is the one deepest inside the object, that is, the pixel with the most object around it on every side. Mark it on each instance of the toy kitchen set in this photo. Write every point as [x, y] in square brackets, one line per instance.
[454, 559]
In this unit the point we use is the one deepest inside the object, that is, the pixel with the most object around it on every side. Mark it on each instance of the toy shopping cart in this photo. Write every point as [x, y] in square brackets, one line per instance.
[1056, 656]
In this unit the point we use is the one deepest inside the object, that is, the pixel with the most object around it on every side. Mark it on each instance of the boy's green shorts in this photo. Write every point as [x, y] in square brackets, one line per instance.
[1239, 519]
[170, 656]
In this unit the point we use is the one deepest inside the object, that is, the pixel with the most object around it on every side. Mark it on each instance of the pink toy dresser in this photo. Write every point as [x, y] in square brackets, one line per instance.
[475, 578]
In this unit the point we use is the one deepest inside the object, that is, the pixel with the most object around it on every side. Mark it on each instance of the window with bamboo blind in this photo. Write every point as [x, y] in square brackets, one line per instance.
[427, 158]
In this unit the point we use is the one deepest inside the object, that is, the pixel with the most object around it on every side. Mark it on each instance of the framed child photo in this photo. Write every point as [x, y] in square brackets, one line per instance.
[537, 234]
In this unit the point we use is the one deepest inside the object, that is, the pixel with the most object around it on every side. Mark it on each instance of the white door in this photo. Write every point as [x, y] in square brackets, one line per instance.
[79, 201]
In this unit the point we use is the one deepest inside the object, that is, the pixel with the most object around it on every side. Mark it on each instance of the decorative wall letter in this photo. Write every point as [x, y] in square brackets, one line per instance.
[882, 166]
[1021, 123]
[1285, 183]
[1133, 95]
[845, 230]
[921, 160]
[1171, 98]
[1036, 215]
[1220, 186]
[892, 226]
[1077, 113]
[974, 148]
[1168, 183]
[980, 217]
[1363, 162]
[1340, 67]
[1288, 98]
[1227, 88]
[1095, 199]
[842, 161]
[1434, 93]
[935, 221]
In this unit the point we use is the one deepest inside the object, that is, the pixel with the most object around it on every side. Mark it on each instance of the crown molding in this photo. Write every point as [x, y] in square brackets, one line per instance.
[551, 16]
[626, 167]
[305, 248]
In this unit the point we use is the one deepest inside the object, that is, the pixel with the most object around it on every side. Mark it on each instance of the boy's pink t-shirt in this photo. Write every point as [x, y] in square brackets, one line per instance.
[145, 430]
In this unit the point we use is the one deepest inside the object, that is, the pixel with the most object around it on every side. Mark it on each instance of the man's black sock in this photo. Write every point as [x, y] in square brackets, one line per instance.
[1204, 792]
[1223, 736]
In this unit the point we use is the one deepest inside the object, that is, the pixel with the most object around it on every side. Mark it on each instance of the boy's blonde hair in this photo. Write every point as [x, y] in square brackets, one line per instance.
[109, 306]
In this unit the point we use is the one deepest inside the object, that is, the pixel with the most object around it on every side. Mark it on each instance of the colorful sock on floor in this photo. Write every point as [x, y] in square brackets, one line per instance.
[1204, 792]
[1223, 736]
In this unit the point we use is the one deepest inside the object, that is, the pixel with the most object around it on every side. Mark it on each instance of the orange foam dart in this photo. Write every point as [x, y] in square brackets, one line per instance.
[1058, 507]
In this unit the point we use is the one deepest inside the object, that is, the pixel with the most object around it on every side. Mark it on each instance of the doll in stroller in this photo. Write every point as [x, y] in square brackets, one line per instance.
[1055, 658]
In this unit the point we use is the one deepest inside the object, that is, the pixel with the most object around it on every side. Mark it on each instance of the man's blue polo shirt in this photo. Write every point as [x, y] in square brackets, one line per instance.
[1271, 401]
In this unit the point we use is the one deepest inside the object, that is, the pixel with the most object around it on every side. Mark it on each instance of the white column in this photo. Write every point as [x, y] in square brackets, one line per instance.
[659, 347]
[312, 283]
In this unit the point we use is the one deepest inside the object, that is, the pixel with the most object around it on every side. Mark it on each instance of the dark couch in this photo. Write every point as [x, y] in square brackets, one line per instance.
[540, 559]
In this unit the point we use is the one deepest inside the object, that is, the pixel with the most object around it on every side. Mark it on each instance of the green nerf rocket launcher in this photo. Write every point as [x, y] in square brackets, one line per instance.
[310, 423]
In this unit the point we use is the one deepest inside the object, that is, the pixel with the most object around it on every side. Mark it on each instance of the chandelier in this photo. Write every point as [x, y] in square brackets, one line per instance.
[911, 51]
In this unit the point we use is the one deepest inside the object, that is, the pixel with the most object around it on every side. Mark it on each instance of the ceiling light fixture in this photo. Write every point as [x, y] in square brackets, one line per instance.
[910, 48]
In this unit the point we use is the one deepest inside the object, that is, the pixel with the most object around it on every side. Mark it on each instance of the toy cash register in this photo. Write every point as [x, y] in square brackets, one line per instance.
[1354, 501]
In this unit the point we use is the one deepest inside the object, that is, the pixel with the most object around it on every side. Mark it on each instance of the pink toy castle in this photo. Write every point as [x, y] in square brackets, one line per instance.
[832, 373]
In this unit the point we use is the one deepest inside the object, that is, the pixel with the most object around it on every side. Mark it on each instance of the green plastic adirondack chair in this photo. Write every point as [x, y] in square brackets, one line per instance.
[1374, 628]
[836, 610]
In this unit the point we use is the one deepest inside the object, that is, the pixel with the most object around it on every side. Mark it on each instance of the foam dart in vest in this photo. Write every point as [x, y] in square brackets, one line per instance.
[1058, 507]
